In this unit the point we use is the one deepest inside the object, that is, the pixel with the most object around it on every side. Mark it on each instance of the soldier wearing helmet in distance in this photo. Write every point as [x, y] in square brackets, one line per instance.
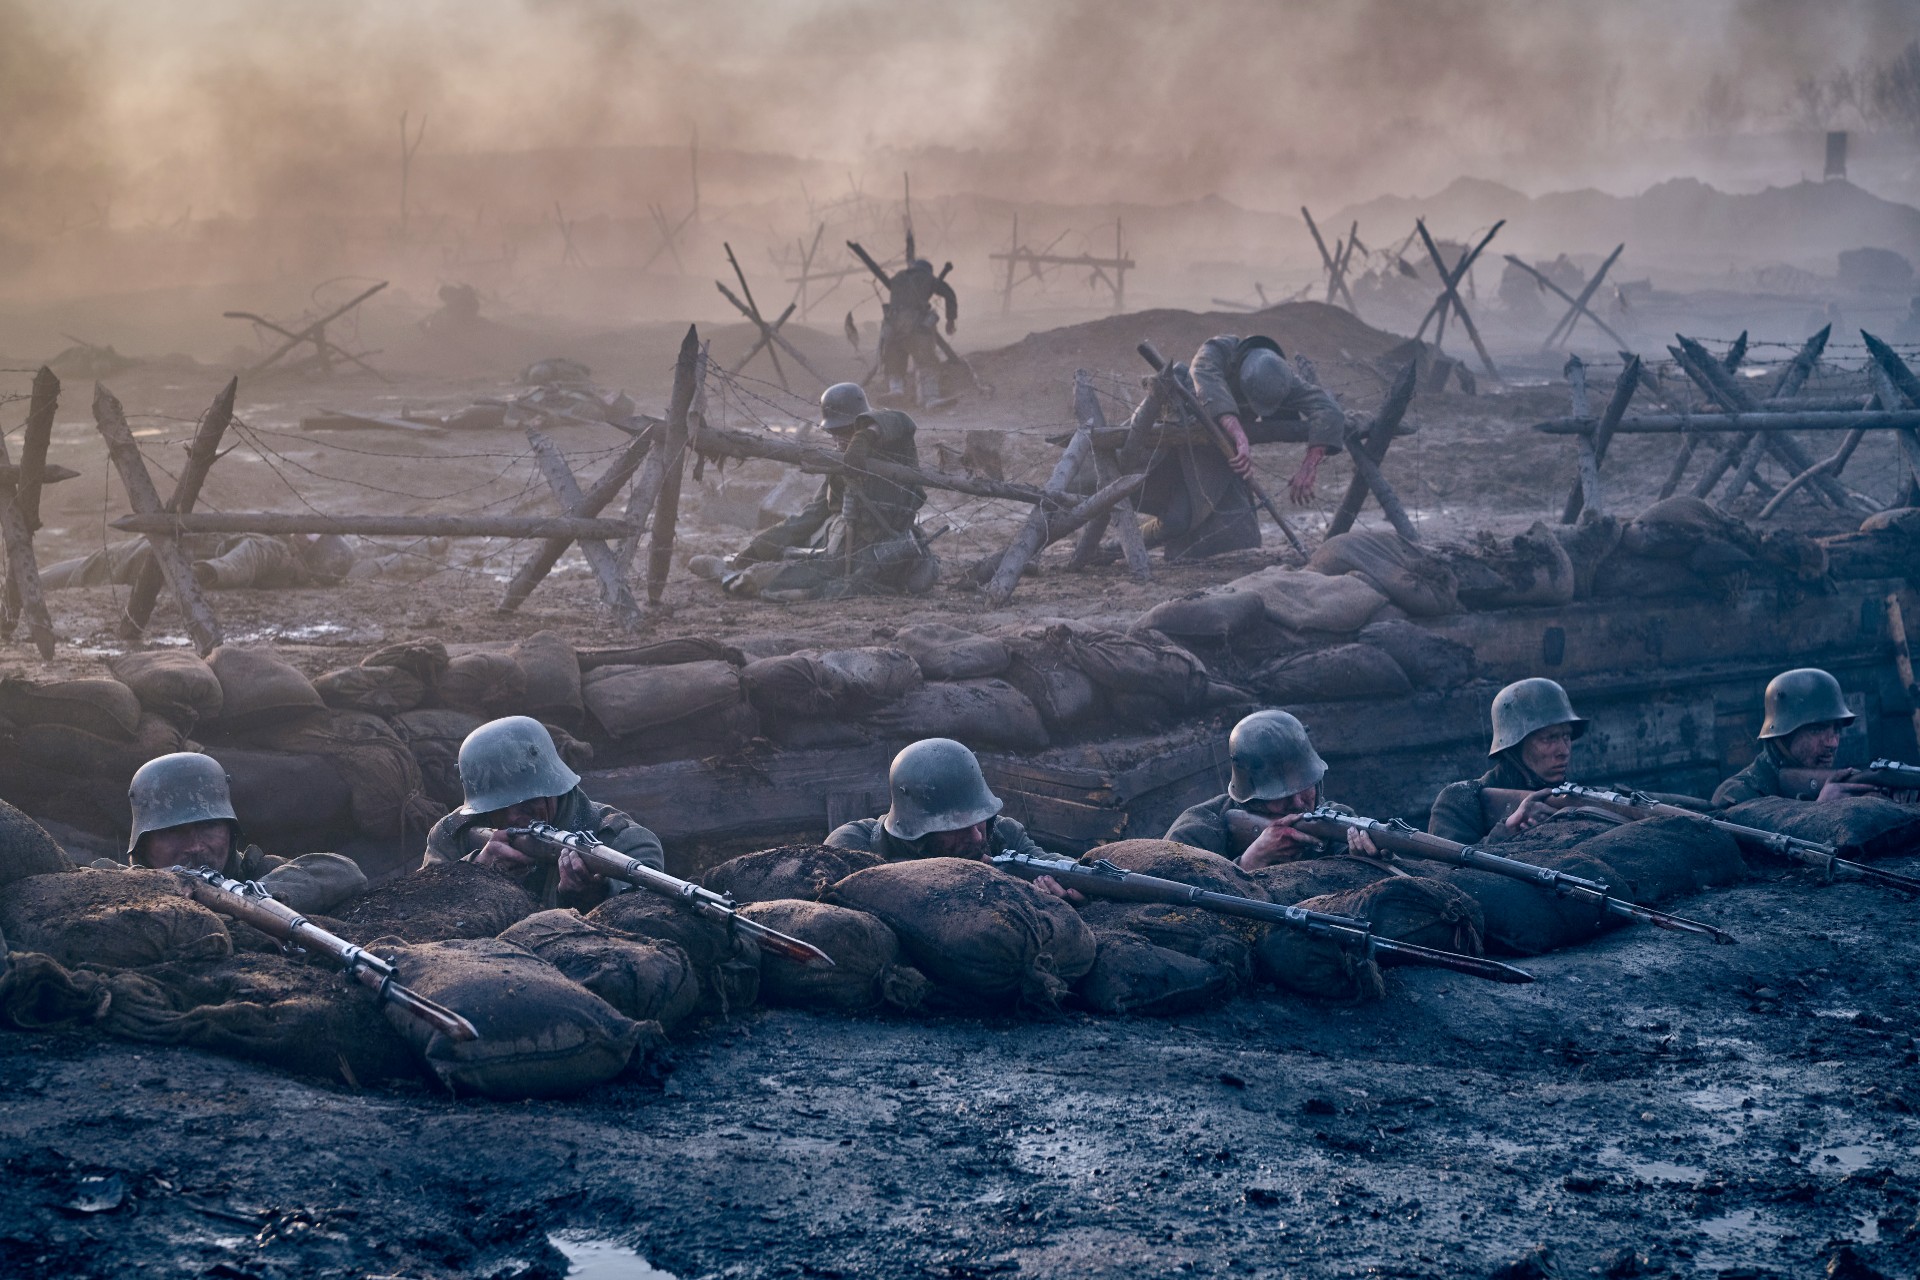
[1805, 713]
[1534, 729]
[512, 775]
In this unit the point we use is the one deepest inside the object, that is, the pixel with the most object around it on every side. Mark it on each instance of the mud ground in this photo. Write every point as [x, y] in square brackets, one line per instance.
[1651, 1106]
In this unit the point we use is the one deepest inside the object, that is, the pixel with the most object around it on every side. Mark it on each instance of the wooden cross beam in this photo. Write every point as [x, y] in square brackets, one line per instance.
[769, 333]
[316, 333]
[614, 590]
[1563, 331]
[1577, 305]
[111, 420]
[202, 453]
[1374, 442]
[1450, 279]
[1123, 519]
[1712, 378]
[1450, 296]
[1336, 278]
[604, 490]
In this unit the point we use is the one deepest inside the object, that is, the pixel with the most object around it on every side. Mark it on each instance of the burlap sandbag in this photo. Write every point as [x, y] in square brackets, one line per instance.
[1525, 920]
[1862, 827]
[1308, 601]
[1417, 582]
[425, 659]
[103, 707]
[484, 684]
[645, 980]
[542, 1035]
[553, 678]
[1145, 664]
[671, 653]
[625, 701]
[81, 753]
[727, 964]
[1191, 930]
[980, 933]
[1666, 858]
[948, 653]
[1416, 909]
[283, 796]
[380, 691]
[1292, 882]
[1297, 961]
[875, 675]
[1430, 660]
[1342, 673]
[26, 849]
[1045, 673]
[795, 686]
[1531, 568]
[980, 713]
[389, 796]
[115, 919]
[792, 871]
[867, 970]
[444, 900]
[434, 738]
[1133, 975]
[175, 683]
[1215, 615]
[257, 688]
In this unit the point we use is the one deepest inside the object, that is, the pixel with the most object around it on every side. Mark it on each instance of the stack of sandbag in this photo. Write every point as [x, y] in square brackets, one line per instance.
[1887, 546]
[1335, 674]
[1160, 958]
[114, 919]
[801, 702]
[1420, 584]
[1493, 572]
[1427, 659]
[984, 937]
[795, 871]
[1684, 545]
[388, 797]
[987, 713]
[1312, 604]
[867, 969]
[175, 684]
[668, 712]
[433, 736]
[1303, 878]
[945, 652]
[1660, 859]
[1523, 919]
[1589, 542]
[76, 744]
[1859, 827]
[646, 980]
[26, 849]
[1410, 908]
[439, 901]
[726, 964]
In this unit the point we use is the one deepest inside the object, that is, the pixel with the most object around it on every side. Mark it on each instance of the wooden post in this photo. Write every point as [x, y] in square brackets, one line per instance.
[1013, 255]
[604, 490]
[1452, 290]
[1589, 484]
[688, 373]
[1378, 435]
[1678, 472]
[1903, 657]
[1579, 307]
[613, 583]
[202, 453]
[1033, 533]
[1795, 375]
[33, 463]
[1126, 524]
[111, 420]
[1623, 391]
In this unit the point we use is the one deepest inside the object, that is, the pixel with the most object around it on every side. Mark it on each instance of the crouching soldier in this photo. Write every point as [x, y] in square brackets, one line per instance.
[183, 817]
[1276, 778]
[1805, 713]
[941, 807]
[1534, 729]
[511, 775]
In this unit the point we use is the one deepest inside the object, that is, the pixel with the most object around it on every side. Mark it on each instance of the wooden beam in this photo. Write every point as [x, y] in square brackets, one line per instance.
[164, 523]
[1569, 299]
[688, 373]
[1665, 424]
[1452, 291]
[604, 490]
[1589, 483]
[202, 453]
[614, 591]
[28, 480]
[1033, 533]
[1579, 307]
[1375, 440]
[1624, 388]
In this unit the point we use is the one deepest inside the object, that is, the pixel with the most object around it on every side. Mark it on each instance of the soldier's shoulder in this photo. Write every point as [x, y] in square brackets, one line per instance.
[857, 835]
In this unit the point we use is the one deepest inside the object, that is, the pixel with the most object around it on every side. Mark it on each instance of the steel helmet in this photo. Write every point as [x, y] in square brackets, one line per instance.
[508, 761]
[936, 785]
[1265, 379]
[177, 789]
[1803, 696]
[1272, 758]
[842, 405]
[1527, 706]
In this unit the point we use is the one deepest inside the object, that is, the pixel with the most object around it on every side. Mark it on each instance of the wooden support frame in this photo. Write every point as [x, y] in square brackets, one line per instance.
[315, 333]
[591, 503]
[1563, 331]
[1583, 497]
[1336, 268]
[1578, 305]
[1017, 254]
[770, 337]
[1450, 297]
[1450, 280]
[202, 453]
[614, 591]
[1374, 440]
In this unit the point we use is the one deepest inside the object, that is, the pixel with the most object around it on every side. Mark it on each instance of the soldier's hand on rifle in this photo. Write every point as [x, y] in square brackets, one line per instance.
[1242, 459]
[1281, 843]
[1054, 889]
[1532, 811]
[574, 876]
[1839, 787]
[1359, 842]
[1300, 488]
[501, 856]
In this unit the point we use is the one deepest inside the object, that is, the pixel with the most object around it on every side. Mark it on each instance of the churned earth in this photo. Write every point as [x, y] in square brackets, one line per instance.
[1653, 1105]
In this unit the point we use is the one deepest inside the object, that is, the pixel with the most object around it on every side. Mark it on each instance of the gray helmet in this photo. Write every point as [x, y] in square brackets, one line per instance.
[842, 405]
[1803, 696]
[937, 786]
[1265, 378]
[1272, 758]
[174, 790]
[1527, 706]
[508, 761]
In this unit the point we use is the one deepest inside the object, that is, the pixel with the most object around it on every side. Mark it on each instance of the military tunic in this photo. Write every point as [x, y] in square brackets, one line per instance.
[1204, 826]
[1761, 778]
[448, 842]
[1459, 813]
[869, 835]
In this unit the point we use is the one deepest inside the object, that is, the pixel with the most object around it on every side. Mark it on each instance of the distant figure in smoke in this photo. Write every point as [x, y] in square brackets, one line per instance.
[1198, 496]
[907, 329]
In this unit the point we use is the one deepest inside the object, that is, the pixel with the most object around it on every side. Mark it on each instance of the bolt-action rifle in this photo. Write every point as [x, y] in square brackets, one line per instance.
[1890, 776]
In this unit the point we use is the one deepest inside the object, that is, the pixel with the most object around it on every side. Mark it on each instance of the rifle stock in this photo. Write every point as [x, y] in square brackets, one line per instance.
[550, 842]
[248, 903]
[1103, 879]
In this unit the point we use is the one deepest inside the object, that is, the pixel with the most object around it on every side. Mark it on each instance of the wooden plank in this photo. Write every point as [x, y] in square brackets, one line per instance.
[607, 570]
[272, 522]
[202, 452]
[1033, 533]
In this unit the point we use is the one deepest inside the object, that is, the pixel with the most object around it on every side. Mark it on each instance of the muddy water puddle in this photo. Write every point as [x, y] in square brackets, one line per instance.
[589, 1258]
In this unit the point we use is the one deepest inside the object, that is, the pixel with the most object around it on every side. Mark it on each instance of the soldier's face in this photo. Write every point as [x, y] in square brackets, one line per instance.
[1298, 802]
[1813, 746]
[538, 809]
[1548, 752]
[966, 842]
[193, 844]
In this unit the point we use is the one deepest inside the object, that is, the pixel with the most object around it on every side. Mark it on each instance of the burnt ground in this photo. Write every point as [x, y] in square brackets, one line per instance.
[1653, 1105]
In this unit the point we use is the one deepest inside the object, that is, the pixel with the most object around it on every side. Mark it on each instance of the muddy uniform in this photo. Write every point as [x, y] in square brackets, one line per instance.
[1458, 812]
[908, 323]
[1204, 826]
[858, 533]
[869, 836]
[220, 561]
[1202, 506]
[448, 842]
[313, 883]
[1761, 778]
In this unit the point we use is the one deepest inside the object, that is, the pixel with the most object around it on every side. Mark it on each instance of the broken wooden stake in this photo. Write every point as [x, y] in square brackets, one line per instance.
[604, 490]
[1378, 435]
[202, 453]
[614, 591]
[688, 373]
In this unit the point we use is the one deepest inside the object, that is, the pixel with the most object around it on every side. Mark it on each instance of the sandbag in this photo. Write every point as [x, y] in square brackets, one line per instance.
[1416, 909]
[645, 980]
[1677, 528]
[632, 700]
[257, 688]
[283, 797]
[1191, 930]
[1045, 674]
[980, 933]
[425, 659]
[1343, 672]
[795, 686]
[439, 901]
[669, 653]
[114, 919]
[1297, 961]
[1430, 660]
[875, 675]
[1065, 937]
[434, 738]
[1296, 881]
[1904, 521]
[727, 964]
[1588, 542]
[792, 871]
[1635, 577]
[389, 796]
[1415, 581]
[25, 850]
[380, 691]
[1132, 975]
[552, 678]
[867, 970]
[80, 753]
[1666, 858]
[541, 1034]
[105, 708]
[1306, 601]
[980, 713]
[1524, 920]
[1860, 827]
[175, 683]
[948, 653]
[484, 684]
[1137, 663]
[1205, 615]
[1532, 568]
